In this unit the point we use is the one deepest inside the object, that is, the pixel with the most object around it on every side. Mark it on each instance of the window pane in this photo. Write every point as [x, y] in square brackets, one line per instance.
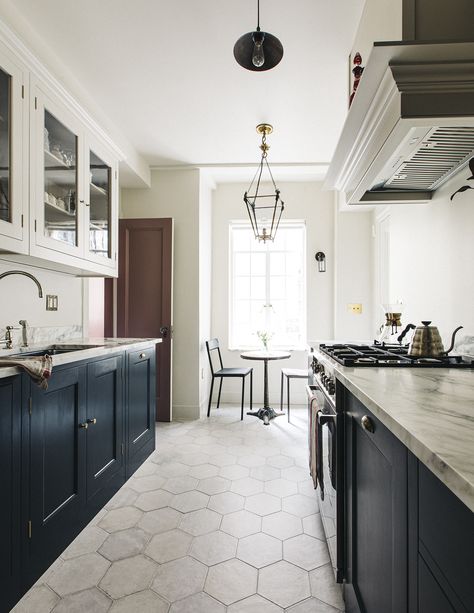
[241, 240]
[277, 263]
[242, 288]
[242, 263]
[277, 288]
[258, 285]
[258, 264]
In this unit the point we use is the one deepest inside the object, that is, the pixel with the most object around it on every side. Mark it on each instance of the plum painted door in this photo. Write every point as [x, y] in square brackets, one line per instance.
[144, 295]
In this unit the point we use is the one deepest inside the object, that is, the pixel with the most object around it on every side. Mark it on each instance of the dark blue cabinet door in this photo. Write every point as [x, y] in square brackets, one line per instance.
[141, 385]
[10, 453]
[56, 481]
[104, 435]
[375, 513]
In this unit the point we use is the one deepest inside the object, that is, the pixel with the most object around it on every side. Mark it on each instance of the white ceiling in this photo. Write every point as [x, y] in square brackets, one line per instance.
[164, 72]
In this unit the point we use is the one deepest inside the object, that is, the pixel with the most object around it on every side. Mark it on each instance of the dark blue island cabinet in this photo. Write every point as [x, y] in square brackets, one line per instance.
[64, 454]
[10, 455]
[408, 540]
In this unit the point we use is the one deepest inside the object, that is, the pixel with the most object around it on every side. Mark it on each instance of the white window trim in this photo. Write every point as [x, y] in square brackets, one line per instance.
[246, 224]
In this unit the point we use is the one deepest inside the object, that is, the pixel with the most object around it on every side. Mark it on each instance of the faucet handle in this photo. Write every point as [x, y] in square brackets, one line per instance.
[12, 328]
[23, 323]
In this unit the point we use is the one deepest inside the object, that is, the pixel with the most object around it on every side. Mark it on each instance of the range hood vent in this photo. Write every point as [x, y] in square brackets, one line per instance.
[411, 125]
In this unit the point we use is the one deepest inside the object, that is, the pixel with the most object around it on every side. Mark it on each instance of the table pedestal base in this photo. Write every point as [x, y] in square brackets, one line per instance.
[265, 414]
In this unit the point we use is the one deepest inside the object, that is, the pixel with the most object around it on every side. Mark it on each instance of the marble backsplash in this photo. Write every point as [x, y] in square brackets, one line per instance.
[465, 346]
[44, 334]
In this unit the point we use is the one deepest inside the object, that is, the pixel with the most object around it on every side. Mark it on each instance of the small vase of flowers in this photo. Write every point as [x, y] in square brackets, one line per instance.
[265, 338]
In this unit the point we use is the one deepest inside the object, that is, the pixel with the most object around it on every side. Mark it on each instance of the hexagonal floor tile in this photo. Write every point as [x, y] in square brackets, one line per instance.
[141, 602]
[160, 520]
[38, 598]
[199, 603]
[213, 485]
[259, 550]
[307, 488]
[263, 504]
[295, 473]
[124, 544]
[282, 525]
[128, 576]
[214, 547]
[247, 486]
[204, 471]
[78, 574]
[234, 472]
[231, 581]
[300, 505]
[227, 502]
[180, 578]
[223, 459]
[284, 584]
[312, 605]
[92, 600]
[146, 484]
[120, 519]
[280, 461]
[88, 541]
[178, 485]
[325, 588]
[153, 500]
[194, 459]
[281, 487]
[173, 469]
[200, 522]
[125, 497]
[254, 604]
[189, 501]
[169, 546]
[265, 473]
[250, 461]
[305, 551]
[313, 526]
[241, 523]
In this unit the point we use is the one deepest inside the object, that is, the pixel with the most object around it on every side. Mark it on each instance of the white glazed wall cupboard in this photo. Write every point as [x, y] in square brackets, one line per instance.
[58, 179]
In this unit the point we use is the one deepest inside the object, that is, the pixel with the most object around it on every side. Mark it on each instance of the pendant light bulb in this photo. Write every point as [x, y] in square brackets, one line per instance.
[258, 56]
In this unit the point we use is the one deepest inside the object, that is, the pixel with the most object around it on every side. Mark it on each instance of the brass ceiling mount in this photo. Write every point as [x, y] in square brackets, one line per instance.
[263, 129]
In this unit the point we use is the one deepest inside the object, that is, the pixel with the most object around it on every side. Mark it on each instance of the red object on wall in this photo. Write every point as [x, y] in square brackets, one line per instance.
[357, 72]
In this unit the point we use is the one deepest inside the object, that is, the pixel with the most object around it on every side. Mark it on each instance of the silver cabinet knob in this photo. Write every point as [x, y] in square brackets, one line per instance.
[367, 424]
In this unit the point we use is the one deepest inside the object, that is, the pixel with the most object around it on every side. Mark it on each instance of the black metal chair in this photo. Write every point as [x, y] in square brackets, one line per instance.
[290, 373]
[221, 373]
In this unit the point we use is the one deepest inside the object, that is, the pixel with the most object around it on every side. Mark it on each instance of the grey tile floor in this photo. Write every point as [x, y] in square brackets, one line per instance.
[222, 517]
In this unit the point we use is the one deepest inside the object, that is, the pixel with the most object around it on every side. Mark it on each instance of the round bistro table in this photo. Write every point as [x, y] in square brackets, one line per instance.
[266, 413]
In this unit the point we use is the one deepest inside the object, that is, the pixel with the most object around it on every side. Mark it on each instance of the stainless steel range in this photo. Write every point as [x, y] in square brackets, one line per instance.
[326, 423]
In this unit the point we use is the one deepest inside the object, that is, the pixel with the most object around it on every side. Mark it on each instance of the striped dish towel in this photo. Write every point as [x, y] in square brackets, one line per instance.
[38, 367]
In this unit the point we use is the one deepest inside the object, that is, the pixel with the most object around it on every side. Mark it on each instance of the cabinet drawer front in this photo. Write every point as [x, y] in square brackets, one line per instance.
[446, 530]
[141, 398]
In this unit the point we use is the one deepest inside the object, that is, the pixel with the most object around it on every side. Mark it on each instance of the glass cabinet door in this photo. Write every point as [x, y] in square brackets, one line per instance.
[5, 150]
[100, 206]
[60, 181]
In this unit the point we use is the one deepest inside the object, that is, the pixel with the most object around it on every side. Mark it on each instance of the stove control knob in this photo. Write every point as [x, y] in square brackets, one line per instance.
[332, 387]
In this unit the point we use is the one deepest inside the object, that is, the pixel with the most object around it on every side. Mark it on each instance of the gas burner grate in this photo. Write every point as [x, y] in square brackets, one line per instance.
[388, 356]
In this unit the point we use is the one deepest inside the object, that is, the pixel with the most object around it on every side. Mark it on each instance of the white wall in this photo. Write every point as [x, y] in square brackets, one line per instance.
[175, 193]
[302, 201]
[19, 299]
[432, 257]
[354, 246]
[205, 281]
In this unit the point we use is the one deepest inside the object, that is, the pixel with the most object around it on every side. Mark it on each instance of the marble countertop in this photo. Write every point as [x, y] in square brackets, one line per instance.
[103, 346]
[431, 410]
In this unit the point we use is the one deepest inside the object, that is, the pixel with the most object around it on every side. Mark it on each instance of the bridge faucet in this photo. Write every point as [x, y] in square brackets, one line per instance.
[25, 274]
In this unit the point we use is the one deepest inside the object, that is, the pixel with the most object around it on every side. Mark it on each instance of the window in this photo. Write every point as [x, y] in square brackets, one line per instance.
[267, 287]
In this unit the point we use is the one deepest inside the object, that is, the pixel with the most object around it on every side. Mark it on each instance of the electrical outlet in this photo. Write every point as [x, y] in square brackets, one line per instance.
[51, 302]
[355, 308]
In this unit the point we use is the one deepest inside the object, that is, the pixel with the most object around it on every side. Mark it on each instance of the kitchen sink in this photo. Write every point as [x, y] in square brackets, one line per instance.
[52, 350]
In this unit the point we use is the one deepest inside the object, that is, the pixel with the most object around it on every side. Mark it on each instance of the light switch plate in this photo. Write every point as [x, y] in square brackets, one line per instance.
[51, 302]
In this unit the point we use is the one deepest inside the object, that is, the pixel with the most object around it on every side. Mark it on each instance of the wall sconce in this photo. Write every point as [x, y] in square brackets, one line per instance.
[320, 258]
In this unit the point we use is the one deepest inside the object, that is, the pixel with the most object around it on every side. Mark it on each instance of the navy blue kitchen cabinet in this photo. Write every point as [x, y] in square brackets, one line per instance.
[54, 427]
[10, 455]
[408, 540]
[375, 514]
[105, 444]
[63, 453]
[140, 398]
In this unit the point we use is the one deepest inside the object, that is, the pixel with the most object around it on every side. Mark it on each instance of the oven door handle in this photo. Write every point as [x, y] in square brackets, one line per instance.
[323, 418]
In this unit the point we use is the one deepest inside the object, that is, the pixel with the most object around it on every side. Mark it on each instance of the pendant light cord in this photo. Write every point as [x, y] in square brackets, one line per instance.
[258, 15]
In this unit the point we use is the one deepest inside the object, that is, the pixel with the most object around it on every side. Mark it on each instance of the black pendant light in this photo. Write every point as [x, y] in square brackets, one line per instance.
[264, 209]
[258, 50]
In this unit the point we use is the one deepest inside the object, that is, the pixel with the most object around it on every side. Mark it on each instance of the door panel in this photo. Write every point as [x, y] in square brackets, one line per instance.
[105, 423]
[144, 290]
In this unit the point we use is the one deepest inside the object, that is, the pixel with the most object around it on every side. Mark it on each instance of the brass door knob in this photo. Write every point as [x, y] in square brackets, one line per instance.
[367, 423]
[84, 425]
[142, 355]
[92, 421]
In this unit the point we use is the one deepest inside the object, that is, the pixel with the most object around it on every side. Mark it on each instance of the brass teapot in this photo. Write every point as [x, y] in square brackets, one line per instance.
[427, 343]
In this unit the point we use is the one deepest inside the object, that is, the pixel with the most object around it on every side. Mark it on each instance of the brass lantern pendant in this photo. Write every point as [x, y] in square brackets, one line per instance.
[264, 209]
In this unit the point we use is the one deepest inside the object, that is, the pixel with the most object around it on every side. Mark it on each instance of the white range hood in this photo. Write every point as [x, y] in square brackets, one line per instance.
[411, 124]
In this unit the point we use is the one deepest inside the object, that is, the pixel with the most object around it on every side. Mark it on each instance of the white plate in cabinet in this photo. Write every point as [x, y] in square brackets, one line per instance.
[13, 153]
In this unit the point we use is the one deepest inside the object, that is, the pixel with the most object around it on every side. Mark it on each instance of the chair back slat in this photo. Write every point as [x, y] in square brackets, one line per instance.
[213, 345]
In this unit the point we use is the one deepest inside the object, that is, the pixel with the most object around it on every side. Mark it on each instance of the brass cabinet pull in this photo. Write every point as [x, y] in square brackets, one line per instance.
[84, 425]
[142, 355]
[367, 423]
[92, 421]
